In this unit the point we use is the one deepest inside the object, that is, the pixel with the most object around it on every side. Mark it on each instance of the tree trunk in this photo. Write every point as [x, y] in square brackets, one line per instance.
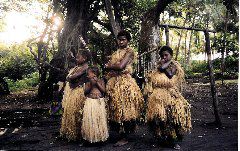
[115, 26]
[189, 50]
[43, 85]
[77, 23]
[40, 58]
[4, 90]
[212, 80]
[185, 50]
[224, 48]
[190, 41]
[167, 35]
[180, 38]
[42, 50]
[149, 34]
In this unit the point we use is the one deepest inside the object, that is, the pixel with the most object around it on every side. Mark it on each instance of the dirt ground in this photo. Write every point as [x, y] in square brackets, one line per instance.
[25, 124]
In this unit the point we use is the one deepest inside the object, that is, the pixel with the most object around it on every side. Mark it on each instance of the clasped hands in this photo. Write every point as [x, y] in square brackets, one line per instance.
[93, 79]
[164, 64]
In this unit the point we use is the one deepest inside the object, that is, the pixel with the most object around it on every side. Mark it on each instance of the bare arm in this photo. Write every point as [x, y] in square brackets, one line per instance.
[170, 72]
[77, 73]
[101, 85]
[164, 65]
[88, 88]
[122, 64]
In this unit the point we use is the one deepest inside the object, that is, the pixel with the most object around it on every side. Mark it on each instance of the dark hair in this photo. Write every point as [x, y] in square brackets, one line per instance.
[165, 48]
[86, 54]
[94, 69]
[124, 33]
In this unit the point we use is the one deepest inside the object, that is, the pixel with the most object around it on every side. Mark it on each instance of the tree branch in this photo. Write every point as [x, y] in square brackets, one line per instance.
[187, 28]
[34, 54]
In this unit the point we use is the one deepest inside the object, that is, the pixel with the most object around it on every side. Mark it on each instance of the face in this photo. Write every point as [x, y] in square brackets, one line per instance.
[166, 56]
[80, 59]
[122, 42]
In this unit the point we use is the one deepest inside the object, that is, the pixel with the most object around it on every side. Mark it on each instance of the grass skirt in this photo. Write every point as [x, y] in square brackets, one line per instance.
[169, 106]
[125, 98]
[73, 102]
[165, 102]
[168, 112]
[94, 123]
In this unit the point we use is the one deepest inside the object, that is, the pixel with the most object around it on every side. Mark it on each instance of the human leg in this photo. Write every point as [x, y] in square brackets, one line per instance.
[125, 128]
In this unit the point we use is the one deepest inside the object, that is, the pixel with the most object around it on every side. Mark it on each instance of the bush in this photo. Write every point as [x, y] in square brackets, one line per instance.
[231, 63]
[16, 63]
[201, 67]
[26, 82]
[231, 67]
[196, 68]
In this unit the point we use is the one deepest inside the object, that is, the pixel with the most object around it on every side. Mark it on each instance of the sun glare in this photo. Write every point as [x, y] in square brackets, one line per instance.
[57, 22]
[19, 27]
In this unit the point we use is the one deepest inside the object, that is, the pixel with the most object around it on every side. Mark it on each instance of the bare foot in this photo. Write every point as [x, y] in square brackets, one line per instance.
[121, 143]
[177, 147]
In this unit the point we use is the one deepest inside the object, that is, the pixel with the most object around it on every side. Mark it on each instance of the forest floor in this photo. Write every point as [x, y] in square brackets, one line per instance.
[25, 124]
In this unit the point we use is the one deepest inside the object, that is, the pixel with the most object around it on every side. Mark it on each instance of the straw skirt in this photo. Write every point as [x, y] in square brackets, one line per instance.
[126, 100]
[94, 124]
[73, 102]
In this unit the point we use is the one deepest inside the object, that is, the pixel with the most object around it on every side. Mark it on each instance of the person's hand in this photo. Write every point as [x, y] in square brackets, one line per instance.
[128, 49]
[93, 81]
[163, 61]
[164, 64]
[169, 62]
[108, 57]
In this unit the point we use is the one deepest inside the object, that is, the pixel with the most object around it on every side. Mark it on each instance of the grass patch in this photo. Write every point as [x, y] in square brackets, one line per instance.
[232, 81]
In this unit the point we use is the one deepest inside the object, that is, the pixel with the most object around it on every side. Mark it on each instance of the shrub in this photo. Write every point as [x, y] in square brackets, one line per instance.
[26, 82]
[16, 63]
[231, 68]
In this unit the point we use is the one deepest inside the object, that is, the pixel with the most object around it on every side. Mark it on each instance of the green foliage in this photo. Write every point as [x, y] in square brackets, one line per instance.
[231, 45]
[28, 81]
[201, 67]
[197, 67]
[231, 64]
[16, 62]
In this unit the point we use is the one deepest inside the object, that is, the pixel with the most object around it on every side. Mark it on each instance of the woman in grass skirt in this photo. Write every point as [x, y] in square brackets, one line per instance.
[168, 113]
[125, 97]
[74, 98]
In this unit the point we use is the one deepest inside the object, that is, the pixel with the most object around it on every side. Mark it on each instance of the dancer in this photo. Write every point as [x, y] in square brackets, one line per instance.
[73, 98]
[168, 113]
[125, 97]
[94, 124]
